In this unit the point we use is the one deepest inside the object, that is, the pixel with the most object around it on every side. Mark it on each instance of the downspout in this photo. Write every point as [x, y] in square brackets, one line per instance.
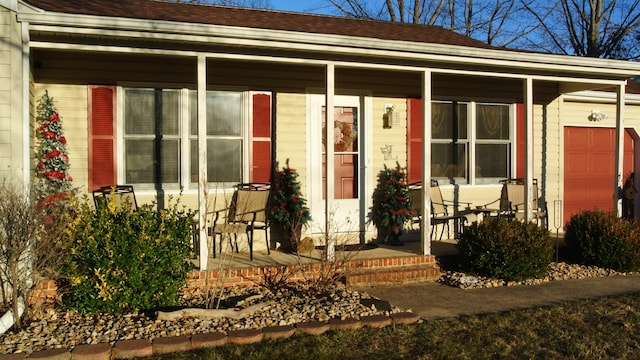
[26, 138]
[6, 321]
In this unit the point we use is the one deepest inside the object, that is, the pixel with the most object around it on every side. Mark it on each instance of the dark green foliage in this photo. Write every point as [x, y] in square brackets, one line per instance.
[288, 206]
[506, 249]
[599, 238]
[121, 260]
[391, 198]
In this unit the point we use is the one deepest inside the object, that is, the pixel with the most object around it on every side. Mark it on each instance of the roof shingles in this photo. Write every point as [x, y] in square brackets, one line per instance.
[261, 19]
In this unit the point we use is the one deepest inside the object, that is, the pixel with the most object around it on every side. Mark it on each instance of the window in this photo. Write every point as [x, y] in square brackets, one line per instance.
[464, 136]
[160, 143]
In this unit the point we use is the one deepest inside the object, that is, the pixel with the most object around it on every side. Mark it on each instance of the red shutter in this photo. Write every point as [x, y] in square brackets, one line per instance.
[520, 140]
[414, 140]
[261, 139]
[102, 164]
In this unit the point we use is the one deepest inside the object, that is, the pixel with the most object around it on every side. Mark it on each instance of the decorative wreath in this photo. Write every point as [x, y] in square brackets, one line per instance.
[343, 140]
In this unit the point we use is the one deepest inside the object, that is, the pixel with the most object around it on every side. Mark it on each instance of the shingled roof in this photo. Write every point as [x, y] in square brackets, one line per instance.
[261, 19]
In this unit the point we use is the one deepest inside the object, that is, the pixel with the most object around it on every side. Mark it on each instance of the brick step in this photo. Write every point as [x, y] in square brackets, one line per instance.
[393, 275]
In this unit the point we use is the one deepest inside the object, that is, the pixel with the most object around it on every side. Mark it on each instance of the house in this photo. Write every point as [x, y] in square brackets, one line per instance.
[168, 96]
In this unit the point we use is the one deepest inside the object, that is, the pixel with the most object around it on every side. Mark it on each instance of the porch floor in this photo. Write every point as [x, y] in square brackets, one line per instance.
[411, 247]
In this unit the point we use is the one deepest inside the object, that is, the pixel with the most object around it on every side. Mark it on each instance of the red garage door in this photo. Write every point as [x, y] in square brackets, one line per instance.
[589, 163]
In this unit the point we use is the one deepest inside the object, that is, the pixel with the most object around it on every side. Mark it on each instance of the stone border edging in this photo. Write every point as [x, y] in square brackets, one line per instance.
[129, 349]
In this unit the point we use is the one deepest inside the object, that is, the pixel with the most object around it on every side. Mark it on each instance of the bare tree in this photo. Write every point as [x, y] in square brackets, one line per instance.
[31, 245]
[593, 28]
[496, 22]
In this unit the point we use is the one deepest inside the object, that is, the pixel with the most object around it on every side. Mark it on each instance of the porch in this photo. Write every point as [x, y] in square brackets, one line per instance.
[357, 264]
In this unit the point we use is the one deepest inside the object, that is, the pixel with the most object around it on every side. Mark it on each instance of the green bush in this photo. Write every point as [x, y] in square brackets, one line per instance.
[121, 260]
[601, 239]
[506, 249]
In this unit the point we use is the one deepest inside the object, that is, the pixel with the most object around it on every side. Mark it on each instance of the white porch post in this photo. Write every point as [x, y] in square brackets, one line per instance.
[202, 161]
[329, 170]
[528, 147]
[619, 148]
[425, 232]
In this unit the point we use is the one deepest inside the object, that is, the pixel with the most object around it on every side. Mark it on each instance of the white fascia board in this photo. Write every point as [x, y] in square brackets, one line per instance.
[339, 44]
[606, 97]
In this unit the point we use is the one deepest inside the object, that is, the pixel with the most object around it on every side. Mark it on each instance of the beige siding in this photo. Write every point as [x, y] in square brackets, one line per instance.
[71, 102]
[291, 133]
[384, 139]
[11, 120]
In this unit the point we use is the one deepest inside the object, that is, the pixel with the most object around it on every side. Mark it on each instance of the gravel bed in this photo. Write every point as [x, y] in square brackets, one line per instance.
[50, 328]
[53, 328]
[557, 271]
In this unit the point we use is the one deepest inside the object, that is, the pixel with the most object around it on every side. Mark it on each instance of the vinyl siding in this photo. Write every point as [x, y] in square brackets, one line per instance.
[291, 130]
[71, 102]
[11, 127]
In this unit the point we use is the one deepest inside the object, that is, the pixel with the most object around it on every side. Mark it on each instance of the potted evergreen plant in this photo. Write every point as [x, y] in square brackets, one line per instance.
[288, 209]
[391, 203]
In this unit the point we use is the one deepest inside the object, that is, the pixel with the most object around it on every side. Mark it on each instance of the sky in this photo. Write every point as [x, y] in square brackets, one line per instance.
[308, 6]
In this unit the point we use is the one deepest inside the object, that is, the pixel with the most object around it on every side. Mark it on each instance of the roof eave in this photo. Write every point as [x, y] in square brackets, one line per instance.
[515, 61]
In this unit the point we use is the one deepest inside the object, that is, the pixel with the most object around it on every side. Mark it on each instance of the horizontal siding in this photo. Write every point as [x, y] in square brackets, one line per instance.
[394, 138]
[11, 130]
[291, 133]
[71, 103]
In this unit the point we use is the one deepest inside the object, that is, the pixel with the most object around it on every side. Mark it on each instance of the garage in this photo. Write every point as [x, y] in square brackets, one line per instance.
[589, 167]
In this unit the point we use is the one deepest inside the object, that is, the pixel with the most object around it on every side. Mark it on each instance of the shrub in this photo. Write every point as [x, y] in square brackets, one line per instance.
[601, 239]
[506, 249]
[121, 260]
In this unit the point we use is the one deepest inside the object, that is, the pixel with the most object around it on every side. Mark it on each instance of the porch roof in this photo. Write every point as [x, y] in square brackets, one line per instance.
[212, 30]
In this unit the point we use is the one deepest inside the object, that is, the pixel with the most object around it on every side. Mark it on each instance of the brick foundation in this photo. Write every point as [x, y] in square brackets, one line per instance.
[352, 272]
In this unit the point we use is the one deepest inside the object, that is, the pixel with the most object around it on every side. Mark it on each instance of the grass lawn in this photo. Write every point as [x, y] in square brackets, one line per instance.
[607, 328]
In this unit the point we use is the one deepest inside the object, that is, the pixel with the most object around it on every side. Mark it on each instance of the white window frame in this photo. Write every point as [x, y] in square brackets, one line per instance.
[185, 138]
[472, 141]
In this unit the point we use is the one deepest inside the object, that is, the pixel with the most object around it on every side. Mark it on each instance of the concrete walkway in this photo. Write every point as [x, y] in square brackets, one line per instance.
[432, 300]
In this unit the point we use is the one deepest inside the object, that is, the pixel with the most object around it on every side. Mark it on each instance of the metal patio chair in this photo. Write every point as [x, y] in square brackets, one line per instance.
[123, 194]
[247, 212]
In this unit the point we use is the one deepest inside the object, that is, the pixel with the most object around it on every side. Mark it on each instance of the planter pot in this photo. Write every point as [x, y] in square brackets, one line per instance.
[288, 237]
[393, 235]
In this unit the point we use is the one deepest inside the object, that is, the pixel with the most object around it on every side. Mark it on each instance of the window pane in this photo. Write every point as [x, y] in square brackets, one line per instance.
[447, 124]
[224, 113]
[224, 160]
[492, 122]
[492, 161]
[449, 161]
[147, 108]
[141, 166]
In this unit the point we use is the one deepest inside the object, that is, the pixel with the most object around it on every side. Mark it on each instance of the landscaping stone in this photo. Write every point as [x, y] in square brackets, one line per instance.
[247, 336]
[345, 324]
[92, 352]
[376, 321]
[172, 344]
[405, 318]
[54, 354]
[313, 327]
[278, 332]
[129, 349]
[206, 340]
